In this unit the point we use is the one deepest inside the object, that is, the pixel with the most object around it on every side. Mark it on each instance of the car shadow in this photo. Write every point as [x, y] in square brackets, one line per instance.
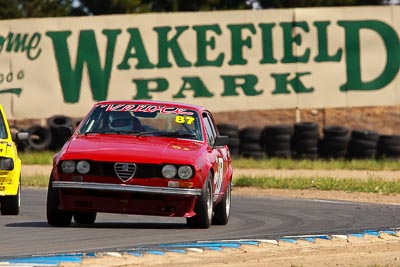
[105, 225]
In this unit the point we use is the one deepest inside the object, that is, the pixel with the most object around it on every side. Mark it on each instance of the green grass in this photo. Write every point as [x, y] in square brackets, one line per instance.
[290, 164]
[45, 157]
[348, 185]
[36, 157]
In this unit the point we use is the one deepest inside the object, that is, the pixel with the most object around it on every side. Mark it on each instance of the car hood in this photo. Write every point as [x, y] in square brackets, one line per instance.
[124, 148]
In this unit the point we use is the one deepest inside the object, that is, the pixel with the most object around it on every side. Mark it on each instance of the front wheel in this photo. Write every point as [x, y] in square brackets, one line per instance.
[223, 209]
[10, 205]
[203, 207]
[55, 216]
[85, 217]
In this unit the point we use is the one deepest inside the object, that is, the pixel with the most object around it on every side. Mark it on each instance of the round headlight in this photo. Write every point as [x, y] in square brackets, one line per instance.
[68, 166]
[185, 172]
[168, 171]
[83, 167]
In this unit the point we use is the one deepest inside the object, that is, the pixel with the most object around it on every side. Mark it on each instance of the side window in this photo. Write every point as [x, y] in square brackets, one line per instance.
[3, 132]
[210, 129]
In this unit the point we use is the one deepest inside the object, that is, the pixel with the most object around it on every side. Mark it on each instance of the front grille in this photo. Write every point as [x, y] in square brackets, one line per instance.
[125, 171]
[99, 168]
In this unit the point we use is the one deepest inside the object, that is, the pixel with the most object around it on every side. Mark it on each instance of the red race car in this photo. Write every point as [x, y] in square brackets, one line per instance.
[142, 157]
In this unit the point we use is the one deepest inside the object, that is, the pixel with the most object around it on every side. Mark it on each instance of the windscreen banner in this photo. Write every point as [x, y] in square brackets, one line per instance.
[226, 60]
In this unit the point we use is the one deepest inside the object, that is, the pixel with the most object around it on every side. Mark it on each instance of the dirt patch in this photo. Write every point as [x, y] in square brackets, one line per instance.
[372, 251]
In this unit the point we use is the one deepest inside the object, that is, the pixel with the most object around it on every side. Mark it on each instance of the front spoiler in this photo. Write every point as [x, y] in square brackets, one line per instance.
[127, 188]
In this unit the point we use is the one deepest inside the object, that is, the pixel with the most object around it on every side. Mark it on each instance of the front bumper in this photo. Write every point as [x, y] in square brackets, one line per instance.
[127, 188]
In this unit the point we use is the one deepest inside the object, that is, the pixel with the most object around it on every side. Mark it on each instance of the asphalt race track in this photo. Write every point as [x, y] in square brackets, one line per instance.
[252, 217]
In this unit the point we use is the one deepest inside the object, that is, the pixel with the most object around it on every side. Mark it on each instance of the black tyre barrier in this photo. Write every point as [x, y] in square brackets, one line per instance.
[388, 147]
[233, 142]
[232, 131]
[275, 140]
[21, 144]
[304, 142]
[363, 144]
[305, 126]
[250, 134]
[253, 154]
[57, 125]
[334, 131]
[228, 127]
[39, 137]
[250, 145]
[334, 143]
[365, 135]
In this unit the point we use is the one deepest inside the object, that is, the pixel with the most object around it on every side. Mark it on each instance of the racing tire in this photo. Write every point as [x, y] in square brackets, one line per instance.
[10, 205]
[57, 125]
[224, 127]
[334, 131]
[85, 217]
[223, 209]
[39, 137]
[250, 134]
[203, 207]
[56, 217]
[365, 135]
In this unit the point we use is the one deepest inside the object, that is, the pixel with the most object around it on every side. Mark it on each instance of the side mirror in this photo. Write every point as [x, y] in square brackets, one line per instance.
[22, 136]
[221, 140]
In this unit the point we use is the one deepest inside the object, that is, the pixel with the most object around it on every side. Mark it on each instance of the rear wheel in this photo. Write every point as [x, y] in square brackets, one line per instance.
[55, 216]
[10, 205]
[85, 217]
[223, 209]
[203, 207]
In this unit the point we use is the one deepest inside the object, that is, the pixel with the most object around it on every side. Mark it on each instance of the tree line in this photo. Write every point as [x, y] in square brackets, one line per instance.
[13, 9]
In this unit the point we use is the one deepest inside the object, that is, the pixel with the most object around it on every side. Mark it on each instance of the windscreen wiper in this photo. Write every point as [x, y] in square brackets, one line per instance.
[177, 134]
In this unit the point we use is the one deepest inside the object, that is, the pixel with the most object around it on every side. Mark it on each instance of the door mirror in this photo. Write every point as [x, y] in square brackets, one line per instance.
[22, 136]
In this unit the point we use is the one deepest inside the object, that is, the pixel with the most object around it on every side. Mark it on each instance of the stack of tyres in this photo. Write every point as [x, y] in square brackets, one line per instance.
[39, 137]
[250, 145]
[304, 141]
[388, 147]
[334, 143]
[22, 145]
[59, 125]
[232, 131]
[363, 144]
[275, 140]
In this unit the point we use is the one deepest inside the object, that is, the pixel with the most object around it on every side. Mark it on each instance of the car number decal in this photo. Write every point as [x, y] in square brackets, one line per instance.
[182, 119]
[218, 175]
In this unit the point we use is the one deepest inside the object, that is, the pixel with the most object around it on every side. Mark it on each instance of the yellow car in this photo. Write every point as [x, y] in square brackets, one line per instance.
[10, 169]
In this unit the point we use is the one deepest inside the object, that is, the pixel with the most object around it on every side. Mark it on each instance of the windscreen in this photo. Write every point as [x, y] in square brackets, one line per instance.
[156, 120]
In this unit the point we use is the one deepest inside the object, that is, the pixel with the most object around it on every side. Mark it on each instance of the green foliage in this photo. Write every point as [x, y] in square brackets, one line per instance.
[316, 3]
[11, 9]
[40, 157]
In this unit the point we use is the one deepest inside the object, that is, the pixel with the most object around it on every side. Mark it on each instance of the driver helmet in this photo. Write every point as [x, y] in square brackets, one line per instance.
[120, 121]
